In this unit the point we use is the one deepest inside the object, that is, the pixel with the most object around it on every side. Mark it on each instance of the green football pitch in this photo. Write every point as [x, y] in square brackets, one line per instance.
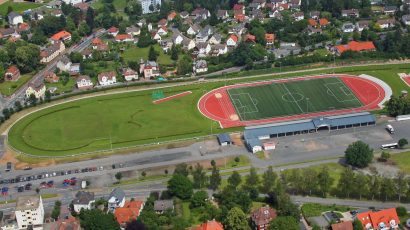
[292, 98]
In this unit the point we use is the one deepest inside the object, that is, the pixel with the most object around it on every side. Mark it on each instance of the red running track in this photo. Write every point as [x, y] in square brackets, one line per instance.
[216, 104]
[171, 97]
[406, 79]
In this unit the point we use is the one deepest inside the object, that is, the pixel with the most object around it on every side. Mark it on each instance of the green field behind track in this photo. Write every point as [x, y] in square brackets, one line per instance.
[292, 98]
[130, 119]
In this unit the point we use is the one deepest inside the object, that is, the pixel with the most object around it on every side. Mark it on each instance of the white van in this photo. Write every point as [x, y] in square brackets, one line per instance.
[390, 129]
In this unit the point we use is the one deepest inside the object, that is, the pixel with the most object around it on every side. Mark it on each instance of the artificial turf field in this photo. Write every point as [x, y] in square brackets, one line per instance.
[292, 98]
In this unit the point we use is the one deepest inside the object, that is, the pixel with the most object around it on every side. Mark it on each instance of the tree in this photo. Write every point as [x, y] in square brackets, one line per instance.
[6, 113]
[387, 188]
[199, 176]
[56, 210]
[284, 222]
[401, 211]
[27, 57]
[180, 186]
[236, 220]
[135, 225]
[181, 169]
[346, 182]
[269, 180]
[359, 154]
[324, 181]
[47, 96]
[400, 185]
[361, 185]
[251, 180]
[152, 54]
[385, 156]
[184, 65]
[234, 179]
[215, 179]
[174, 53]
[403, 142]
[97, 219]
[357, 225]
[118, 176]
[310, 182]
[199, 199]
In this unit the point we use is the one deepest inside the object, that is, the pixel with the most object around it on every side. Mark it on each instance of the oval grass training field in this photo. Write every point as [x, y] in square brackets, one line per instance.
[106, 122]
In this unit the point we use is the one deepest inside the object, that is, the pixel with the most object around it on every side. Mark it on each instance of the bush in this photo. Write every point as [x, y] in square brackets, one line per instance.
[401, 211]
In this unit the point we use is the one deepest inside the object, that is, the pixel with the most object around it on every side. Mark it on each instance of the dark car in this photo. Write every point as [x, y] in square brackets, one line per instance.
[12, 181]
[27, 186]
[28, 168]
[20, 189]
[39, 176]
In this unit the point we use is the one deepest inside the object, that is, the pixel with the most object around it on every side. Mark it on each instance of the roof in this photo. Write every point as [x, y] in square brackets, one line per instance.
[238, 7]
[27, 202]
[385, 218]
[224, 137]
[118, 194]
[83, 77]
[312, 22]
[250, 37]
[130, 211]
[348, 225]
[121, 37]
[82, 197]
[61, 35]
[112, 30]
[162, 205]
[356, 46]
[70, 223]
[13, 69]
[109, 75]
[323, 21]
[172, 15]
[233, 37]
[13, 14]
[209, 225]
[263, 215]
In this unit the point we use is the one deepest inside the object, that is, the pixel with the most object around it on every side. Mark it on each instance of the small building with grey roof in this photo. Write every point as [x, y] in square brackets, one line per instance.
[160, 206]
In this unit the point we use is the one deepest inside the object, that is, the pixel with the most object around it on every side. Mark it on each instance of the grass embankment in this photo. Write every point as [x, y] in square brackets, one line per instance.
[313, 209]
[402, 161]
[19, 7]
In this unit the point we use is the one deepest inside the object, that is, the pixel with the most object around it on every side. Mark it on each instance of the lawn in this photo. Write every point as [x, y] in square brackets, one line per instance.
[135, 54]
[130, 119]
[17, 6]
[9, 87]
[118, 4]
[402, 160]
[313, 209]
[62, 88]
[292, 98]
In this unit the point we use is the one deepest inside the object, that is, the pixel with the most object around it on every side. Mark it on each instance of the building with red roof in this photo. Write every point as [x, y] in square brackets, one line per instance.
[171, 15]
[262, 216]
[312, 22]
[239, 17]
[124, 38]
[232, 40]
[269, 38]
[347, 225]
[384, 219]
[61, 36]
[12, 73]
[323, 22]
[209, 225]
[113, 31]
[250, 38]
[239, 9]
[129, 212]
[355, 46]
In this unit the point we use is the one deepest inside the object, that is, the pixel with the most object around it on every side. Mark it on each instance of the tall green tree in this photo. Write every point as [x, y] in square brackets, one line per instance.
[184, 65]
[152, 54]
[403, 142]
[401, 185]
[325, 182]
[234, 180]
[215, 178]
[199, 176]
[284, 222]
[310, 181]
[96, 219]
[181, 169]
[346, 182]
[269, 178]
[252, 180]
[359, 154]
[361, 185]
[357, 225]
[236, 220]
[180, 186]
[387, 188]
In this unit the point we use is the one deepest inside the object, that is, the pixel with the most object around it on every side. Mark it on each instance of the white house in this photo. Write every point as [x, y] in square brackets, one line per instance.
[298, 16]
[215, 39]
[200, 66]
[14, 18]
[73, 2]
[203, 48]
[37, 90]
[84, 82]
[51, 52]
[107, 78]
[219, 49]
[150, 6]
[177, 38]
[188, 44]
[149, 69]
[232, 40]
[64, 64]
[129, 74]
[386, 23]
[348, 28]
[116, 199]
[193, 29]
[162, 31]
[83, 200]
[29, 212]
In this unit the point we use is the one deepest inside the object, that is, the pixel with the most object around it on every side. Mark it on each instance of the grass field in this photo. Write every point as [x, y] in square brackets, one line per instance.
[17, 6]
[402, 160]
[292, 98]
[130, 119]
[313, 209]
[135, 54]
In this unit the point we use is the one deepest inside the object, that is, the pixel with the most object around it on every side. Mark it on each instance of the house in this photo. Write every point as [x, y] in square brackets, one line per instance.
[257, 14]
[155, 35]
[274, 13]
[107, 78]
[14, 18]
[193, 29]
[150, 69]
[184, 14]
[348, 27]
[177, 38]
[150, 6]
[50, 77]
[74, 69]
[391, 10]
[314, 15]
[295, 4]
[261, 217]
[323, 22]
[351, 13]
[239, 17]
[238, 29]
[29, 212]
[96, 42]
[224, 139]
[162, 22]
[188, 44]
[250, 38]
[298, 16]
[129, 212]
[83, 200]
[162, 31]
[222, 14]
[51, 52]
[209, 225]
[270, 39]
[386, 23]
[133, 31]
[203, 48]
[312, 22]
[23, 27]
[71, 2]
[129, 74]
[347, 225]
[84, 82]
[160, 206]
[215, 39]
[384, 219]
[219, 49]
[64, 64]
[269, 146]
[87, 53]
[70, 223]
[12, 73]
[239, 9]
[202, 36]
[200, 66]
[83, 6]
[362, 24]
[38, 90]
[406, 19]
[201, 13]
[61, 36]
[116, 199]
[6, 32]
[171, 15]
[124, 38]
[232, 40]
[313, 30]
[355, 46]
[113, 31]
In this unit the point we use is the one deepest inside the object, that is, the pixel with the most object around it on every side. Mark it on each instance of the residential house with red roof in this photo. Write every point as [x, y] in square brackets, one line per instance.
[355, 46]
[238, 9]
[129, 74]
[270, 39]
[107, 78]
[209, 225]
[70, 223]
[171, 15]
[312, 22]
[381, 220]
[50, 77]
[239, 17]
[129, 212]
[347, 225]
[261, 217]
[84, 82]
[51, 52]
[12, 73]
[232, 40]
[162, 22]
[113, 31]
[124, 38]
[61, 36]
[323, 22]
[250, 38]
[150, 69]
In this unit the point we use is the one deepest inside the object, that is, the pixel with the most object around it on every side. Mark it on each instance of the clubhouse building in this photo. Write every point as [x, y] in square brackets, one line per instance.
[254, 135]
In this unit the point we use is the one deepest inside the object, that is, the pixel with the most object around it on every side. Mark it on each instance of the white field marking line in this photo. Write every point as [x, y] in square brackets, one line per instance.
[293, 97]
[331, 93]
[403, 79]
[234, 105]
[255, 109]
[351, 91]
